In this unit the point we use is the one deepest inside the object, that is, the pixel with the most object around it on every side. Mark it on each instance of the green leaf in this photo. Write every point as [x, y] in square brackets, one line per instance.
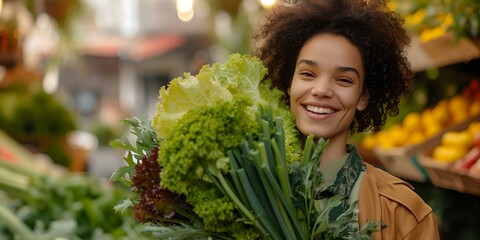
[123, 144]
[127, 203]
[121, 173]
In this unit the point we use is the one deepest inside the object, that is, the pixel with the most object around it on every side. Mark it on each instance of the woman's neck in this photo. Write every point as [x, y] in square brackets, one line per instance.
[335, 149]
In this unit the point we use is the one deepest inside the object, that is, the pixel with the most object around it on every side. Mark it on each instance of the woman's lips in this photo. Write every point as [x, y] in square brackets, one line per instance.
[319, 110]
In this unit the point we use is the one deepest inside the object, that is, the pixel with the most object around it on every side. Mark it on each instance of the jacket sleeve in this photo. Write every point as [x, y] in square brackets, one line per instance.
[391, 201]
[406, 215]
[412, 217]
[425, 229]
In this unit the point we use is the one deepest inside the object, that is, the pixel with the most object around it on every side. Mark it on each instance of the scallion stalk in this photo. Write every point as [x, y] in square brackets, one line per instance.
[14, 224]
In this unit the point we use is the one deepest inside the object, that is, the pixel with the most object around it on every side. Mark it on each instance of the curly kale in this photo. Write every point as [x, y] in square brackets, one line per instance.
[200, 139]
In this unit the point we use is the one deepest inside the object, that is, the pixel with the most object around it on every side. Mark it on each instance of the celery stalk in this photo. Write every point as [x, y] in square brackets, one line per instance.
[14, 224]
[13, 180]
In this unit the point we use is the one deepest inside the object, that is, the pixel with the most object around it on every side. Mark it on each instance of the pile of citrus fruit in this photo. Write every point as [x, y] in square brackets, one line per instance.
[417, 127]
[456, 144]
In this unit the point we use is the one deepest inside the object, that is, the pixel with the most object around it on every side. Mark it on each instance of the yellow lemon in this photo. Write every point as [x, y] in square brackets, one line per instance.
[431, 34]
[369, 142]
[448, 154]
[473, 128]
[384, 140]
[416, 137]
[457, 139]
[440, 112]
[427, 118]
[458, 105]
[398, 135]
[412, 121]
[460, 117]
[450, 138]
[416, 18]
[447, 20]
[474, 108]
[432, 129]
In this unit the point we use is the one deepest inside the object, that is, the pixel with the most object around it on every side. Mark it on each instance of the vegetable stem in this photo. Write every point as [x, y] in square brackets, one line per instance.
[13, 180]
[14, 224]
[308, 150]
[257, 206]
[236, 180]
[263, 171]
[282, 171]
[241, 207]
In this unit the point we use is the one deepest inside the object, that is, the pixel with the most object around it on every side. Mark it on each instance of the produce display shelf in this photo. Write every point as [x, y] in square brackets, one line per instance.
[405, 162]
[442, 175]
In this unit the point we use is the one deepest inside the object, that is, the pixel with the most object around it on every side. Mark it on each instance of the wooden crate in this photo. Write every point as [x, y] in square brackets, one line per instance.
[402, 162]
[442, 175]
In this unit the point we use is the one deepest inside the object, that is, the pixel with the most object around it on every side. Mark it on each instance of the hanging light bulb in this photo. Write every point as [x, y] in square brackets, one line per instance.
[267, 3]
[185, 16]
[185, 10]
[184, 5]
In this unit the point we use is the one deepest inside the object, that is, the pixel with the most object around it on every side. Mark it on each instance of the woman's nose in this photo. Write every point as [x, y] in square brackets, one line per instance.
[322, 88]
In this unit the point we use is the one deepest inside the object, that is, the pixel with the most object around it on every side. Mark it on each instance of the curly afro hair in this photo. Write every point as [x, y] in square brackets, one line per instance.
[368, 25]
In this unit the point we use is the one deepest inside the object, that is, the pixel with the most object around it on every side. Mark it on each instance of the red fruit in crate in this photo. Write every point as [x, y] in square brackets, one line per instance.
[476, 140]
[475, 85]
[466, 162]
[475, 169]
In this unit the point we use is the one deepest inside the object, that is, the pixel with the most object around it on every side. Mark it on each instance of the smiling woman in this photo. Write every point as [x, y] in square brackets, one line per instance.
[343, 68]
[327, 89]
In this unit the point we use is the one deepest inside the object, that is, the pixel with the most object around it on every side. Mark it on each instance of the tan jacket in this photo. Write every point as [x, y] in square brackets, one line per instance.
[389, 200]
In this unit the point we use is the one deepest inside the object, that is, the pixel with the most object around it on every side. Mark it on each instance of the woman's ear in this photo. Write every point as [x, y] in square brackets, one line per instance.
[363, 101]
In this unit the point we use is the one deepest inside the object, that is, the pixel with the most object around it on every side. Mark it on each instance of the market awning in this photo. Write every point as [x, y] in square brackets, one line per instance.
[137, 49]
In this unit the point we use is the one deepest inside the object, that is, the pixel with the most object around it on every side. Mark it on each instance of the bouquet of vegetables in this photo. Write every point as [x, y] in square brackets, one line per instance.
[222, 159]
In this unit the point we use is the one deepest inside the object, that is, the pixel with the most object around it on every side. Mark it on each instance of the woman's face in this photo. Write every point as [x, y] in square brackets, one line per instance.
[327, 87]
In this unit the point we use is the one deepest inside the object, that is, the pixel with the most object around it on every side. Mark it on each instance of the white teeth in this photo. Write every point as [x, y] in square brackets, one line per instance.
[319, 109]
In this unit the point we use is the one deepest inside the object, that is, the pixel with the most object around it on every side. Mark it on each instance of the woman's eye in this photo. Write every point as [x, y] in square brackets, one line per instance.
[306, 74]
[345, 80]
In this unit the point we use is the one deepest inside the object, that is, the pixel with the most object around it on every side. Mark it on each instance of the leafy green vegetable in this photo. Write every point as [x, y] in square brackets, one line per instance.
[184, 94]
[71, 206]
[38, 120]
[41, 200]
[145, 141]
[201, 137]
[201, 117]
[239, 77]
